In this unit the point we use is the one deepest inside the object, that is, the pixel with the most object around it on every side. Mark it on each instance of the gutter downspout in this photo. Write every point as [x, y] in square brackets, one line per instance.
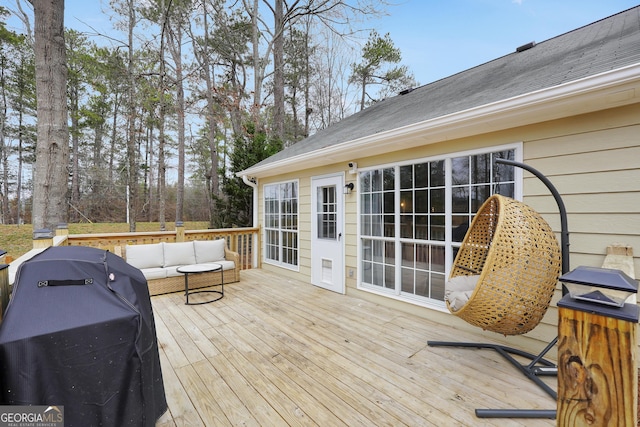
[254, 185]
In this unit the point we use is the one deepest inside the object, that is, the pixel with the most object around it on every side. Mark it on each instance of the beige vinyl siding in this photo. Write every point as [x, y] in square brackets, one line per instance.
[304, 219]
[596, 168]
[598, 175]
[594, 162]
[350, 232]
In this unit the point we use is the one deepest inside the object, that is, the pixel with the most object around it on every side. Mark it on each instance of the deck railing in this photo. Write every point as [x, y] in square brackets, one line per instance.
[241, 240]
[244, 241]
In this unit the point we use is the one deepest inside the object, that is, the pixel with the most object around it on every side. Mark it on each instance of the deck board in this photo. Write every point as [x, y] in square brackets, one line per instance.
[279, 352]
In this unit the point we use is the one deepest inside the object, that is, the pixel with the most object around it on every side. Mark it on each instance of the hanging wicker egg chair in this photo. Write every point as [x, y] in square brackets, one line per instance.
[518, 260]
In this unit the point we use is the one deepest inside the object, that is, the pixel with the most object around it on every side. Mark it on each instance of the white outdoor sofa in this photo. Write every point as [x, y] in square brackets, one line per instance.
[159, 263]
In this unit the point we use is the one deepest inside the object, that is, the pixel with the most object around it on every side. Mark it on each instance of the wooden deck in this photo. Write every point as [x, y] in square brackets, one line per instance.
[277, 352]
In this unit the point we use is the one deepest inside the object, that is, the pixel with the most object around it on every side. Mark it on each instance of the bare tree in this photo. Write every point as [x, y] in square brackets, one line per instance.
[162, 169]
[334, 14]
[174, 38]
[202, 55]
[50, 175]
[24, 102]
[4, 149]
[132, 158]
[8, 40]
[77, 57]
[329, 83]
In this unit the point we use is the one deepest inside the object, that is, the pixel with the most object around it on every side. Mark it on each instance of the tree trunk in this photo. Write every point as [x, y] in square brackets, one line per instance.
[258, 65]
[278, 71]
[114, 135]
[161, 133]
[150, 179]
[175, 40]
[19, 177]
[4, 155]
[132, 169]
[50, 175]
[307, 81]
[363, 95]
[5, 210]
[75, 152]
[212, 180]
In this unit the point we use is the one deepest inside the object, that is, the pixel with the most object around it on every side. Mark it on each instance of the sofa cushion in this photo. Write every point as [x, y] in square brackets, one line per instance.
[226, 265]
[154, 273]
[178, 254]
[209, 250]
[145, 256]
[172, 271]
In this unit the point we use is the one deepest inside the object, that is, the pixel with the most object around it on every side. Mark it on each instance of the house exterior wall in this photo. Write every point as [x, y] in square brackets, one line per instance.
[593, 160]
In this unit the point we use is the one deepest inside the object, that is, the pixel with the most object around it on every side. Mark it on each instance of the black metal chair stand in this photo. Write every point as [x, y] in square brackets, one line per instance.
[539, 366]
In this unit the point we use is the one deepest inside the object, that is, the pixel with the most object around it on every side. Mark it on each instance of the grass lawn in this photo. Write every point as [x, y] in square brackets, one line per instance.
[17, 239]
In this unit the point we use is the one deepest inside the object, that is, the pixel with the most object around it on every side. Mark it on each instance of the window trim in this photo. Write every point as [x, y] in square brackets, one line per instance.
[280, 230]
[397, 293]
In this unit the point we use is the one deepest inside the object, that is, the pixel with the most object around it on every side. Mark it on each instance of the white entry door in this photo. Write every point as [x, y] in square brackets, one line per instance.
[327, 228]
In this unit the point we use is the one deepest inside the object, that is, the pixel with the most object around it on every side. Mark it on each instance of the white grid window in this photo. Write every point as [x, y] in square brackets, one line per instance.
[413, 215]
[281, 223]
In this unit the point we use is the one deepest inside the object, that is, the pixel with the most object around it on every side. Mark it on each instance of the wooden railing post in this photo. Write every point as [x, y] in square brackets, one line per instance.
[4, 288]
[42, 238]
[179, 231]
[62, 229]
[255, 250]
[597, 351]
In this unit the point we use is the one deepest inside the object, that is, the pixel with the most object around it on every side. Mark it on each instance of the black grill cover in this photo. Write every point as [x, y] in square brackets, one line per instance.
[79, 332]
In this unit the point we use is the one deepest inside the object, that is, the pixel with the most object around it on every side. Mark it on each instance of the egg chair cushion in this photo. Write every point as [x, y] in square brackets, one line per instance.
[458, 290]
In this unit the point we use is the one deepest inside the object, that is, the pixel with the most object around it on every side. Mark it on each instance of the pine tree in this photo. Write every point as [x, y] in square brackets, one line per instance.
[236, 204]
[377, 55]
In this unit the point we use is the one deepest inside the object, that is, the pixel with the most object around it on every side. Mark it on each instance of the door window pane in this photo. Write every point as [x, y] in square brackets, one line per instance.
[326, 216]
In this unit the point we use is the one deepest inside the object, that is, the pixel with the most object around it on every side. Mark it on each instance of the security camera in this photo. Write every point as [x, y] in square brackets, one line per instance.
[353, 168]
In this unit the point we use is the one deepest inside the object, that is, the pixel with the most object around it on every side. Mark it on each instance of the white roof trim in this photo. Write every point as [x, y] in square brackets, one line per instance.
[598, 92]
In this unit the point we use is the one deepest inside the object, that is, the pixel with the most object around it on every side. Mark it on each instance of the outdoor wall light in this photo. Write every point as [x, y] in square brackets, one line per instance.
[348, 188]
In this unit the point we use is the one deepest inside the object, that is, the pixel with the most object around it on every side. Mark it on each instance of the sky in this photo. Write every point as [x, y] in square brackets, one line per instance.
[439, 38]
